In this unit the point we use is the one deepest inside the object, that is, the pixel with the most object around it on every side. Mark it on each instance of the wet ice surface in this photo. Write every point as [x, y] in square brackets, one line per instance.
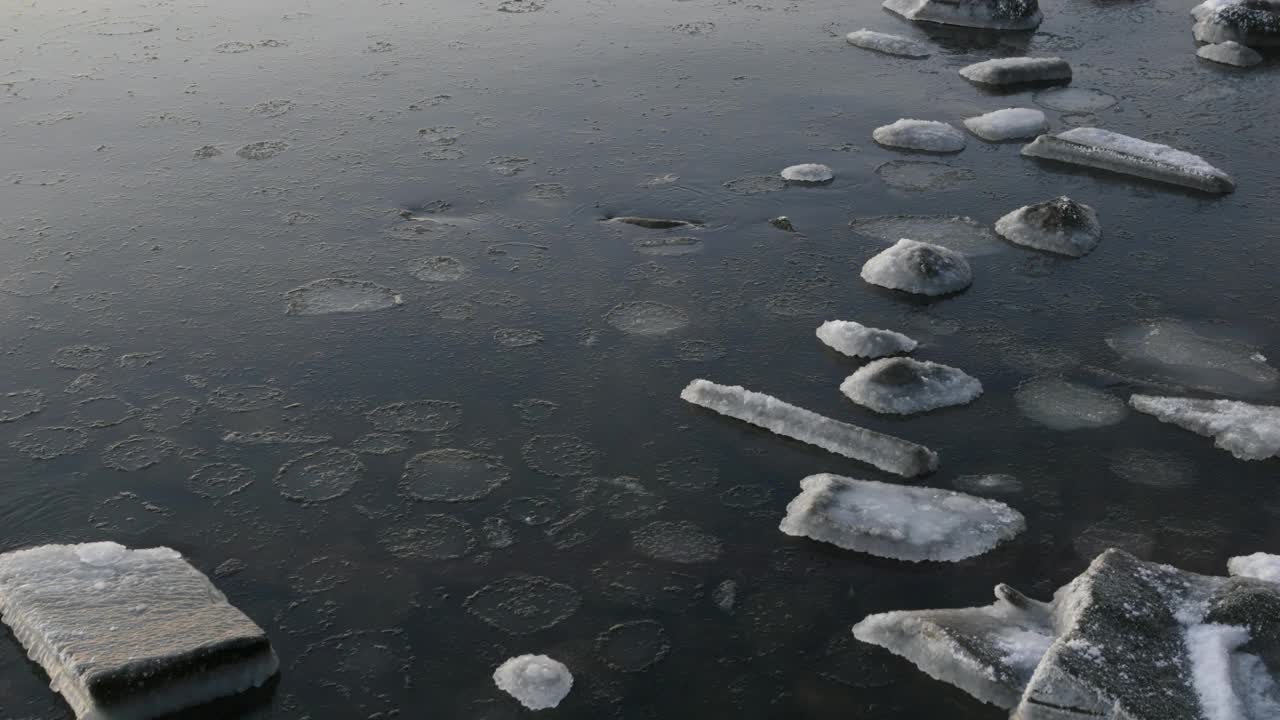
[149, 276]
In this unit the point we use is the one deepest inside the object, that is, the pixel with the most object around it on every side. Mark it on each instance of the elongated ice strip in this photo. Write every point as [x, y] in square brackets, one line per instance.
[1106, 150]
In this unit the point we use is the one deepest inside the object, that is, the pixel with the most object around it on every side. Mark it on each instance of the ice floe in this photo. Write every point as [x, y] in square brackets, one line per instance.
[887, 44]
[991, 14]
[1195, 355]
[921, 268]
[857, 340]
[1230, 53]
[1255, 23]
[1075, 100]
[1061, 405]
[886, 452]
[1008, 124]
[537, 681]
[1061, 226]
[329, 296]
[925, 135]
[897, 521]
[902, 386]
[1106, 150]
[807, 174]
[1247, 431]
[1262, 566]
[1017, 71]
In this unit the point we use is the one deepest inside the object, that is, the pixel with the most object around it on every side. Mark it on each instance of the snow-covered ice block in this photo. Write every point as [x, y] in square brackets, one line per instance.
[918, 267]
[1008, 124]
[1230, 53]
[1250, 432]
[857, 340]
[990, 14]
[903, 385]
[129, 634]
[1017, 71]
[925, 135]
[1106, 150]
[1061, 226]
[886, 452]
[1261, 566]
[807, 173]
[898, 521]
[537, 681]
[1255, 23]
[887, 44]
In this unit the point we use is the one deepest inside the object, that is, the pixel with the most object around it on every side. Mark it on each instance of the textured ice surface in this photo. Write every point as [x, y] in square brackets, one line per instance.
[904, 385]
[1255, 23]
[1262, 566]
[1017, 71]
[857, 340]
[918, 267]
[897, 521]
[1250, 432]
[1204, 358]
[1061, 405]
[537, 681]
[887, 44]
[129, 634]
[992, 14]
[1106, 150]
[1075, 100]
[1230, 53]
[338, 295]
[1061, 226]
[927, 135]
[960, 233]
[807, 173]
[1008, 124]
[886, 452]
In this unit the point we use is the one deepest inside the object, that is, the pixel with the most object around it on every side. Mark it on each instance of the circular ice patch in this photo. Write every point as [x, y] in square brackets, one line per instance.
[320, 476]
[1153, 468]
[1075, 100]
[262, 150]
[432, 537]
[20, 404]
[636, 584]
[560, 455]
[440, 268]
[675, 541]
[219, 480]
[807, 174]
[103, 412]
[47, 443]
[244, 398]
[522, 604]
[633, 646]
[756, 184]
[137, 453]
[80, 357]
[424, 416]
[453, 475]
[918, 176]
[1061, 405]
[646, 317]
[517, 337]
[381, 443]
[333, 296]
[621, 498]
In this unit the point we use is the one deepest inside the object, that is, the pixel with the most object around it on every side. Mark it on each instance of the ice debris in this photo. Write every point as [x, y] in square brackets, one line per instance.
[857, 340]
[1230, 53]
[329, 296]
[897, 521]
[925, 135]
[886, 452]
[1255, 23]
[1061, 226]
[129, 634]
[990, 14]
[537, 681]
[1126, 640]
[1106, 150]
[1017, 71]
[1249, 432]
[1008, 124]
[918, 267]
[807, 174]
[1262, 566]
[887, 44]
[903, 385]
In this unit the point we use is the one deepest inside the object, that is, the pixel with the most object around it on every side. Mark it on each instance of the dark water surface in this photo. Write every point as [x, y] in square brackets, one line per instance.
[173, 169]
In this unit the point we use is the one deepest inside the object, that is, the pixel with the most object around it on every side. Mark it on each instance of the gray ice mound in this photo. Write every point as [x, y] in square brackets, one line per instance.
[536, 681]
[1008, 124]
[857, 340]
[1247, 431]
[923, 135]
[1255, 23]
[989, 14]
[807, 174]
[129, 634]
[887, 44]
[897, 521]
[1106, 150]
[1018, 71]
[921, 268]
[1230, 53]
[1062, 226]
[903, 386]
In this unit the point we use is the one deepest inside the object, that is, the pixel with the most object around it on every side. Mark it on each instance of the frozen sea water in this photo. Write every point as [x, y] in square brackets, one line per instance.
[1008, 124]
[1062, 405]
[918, 267]
[923, 135]
[1250, 432]
[1230, 53]
[887, 44]
[1061, 226]
[1200, 356]
[905, 385]
[1106, 150]
[1018, 71]
[857, 340]
[807, 174]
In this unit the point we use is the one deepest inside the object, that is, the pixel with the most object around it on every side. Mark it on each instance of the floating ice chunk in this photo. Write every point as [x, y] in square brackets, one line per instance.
[897, 521]
[887, 44]
[918, 267]
[1230, 53]
[1255, 23]
[902, 386]
[1250, 432]
[807, 174]
[857, 340]
[1075, 100]
[1203, 357]
[926, 135]
[992, 14]
[129, 634]
[886, 452]
[1008, 124]
[1061, 226]
[1106, 150]
[1018, 71]
[339, 295]
[956, 232]
[1061, 405]
[537, 681]
[1261, 566]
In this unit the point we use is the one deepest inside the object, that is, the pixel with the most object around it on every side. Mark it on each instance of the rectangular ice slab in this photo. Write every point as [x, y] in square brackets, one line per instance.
[886, 452]
[129, 634]
[1106, 150]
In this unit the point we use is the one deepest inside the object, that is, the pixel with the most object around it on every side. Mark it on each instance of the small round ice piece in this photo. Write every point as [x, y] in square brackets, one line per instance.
[1017, 70]
[902, 386]
[808, 173]
[857, 340]
[1061, 226]
[1060, 405]
[1008, 124]
[926, 135]
[537, 681]
[920, 268]
[1230, 53]
[887, 44]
